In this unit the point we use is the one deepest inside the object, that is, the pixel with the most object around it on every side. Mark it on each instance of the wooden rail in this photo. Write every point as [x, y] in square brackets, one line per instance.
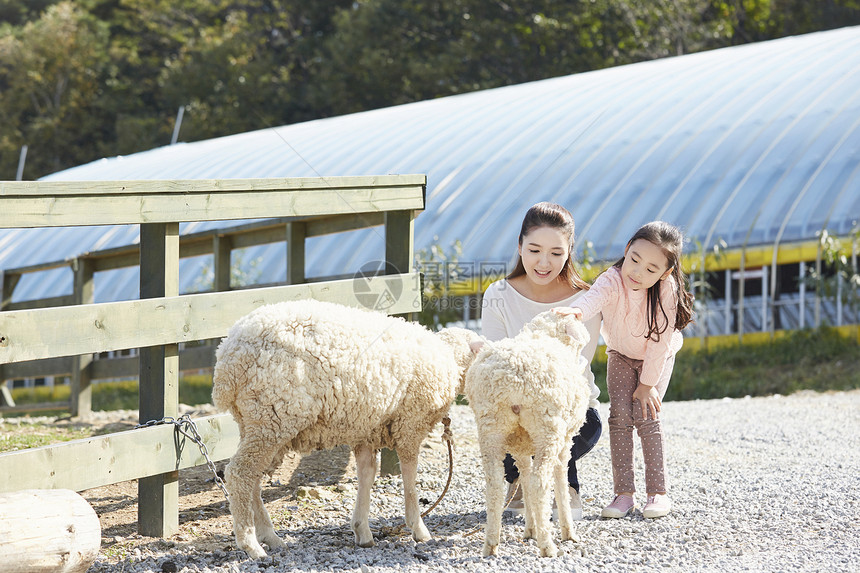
[113, 458]
[162, 319]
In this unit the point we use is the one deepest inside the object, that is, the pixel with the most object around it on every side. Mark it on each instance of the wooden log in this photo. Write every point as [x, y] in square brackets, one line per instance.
[47, 531]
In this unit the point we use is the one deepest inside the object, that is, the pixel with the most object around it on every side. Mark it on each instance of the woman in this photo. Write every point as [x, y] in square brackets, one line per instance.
[544, 278]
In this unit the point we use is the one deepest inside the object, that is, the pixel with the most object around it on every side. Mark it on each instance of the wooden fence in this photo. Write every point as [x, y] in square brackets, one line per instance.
[162, 319]
[219, 243]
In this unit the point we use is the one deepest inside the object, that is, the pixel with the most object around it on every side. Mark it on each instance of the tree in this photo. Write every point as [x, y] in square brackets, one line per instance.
[387, 52]
[235, 65]
[50, 89]
[94, 78]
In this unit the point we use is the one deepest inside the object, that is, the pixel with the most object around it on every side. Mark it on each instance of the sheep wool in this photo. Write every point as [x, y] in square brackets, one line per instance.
[530, 396]
[307, 375]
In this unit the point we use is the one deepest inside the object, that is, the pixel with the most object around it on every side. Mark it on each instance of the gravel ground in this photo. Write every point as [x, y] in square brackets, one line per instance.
[758, 484]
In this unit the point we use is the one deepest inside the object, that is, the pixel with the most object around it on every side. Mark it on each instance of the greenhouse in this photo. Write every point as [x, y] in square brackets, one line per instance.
[754, 151]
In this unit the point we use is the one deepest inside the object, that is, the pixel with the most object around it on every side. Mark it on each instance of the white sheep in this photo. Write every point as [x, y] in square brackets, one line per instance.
[307, 375]
[530, 395]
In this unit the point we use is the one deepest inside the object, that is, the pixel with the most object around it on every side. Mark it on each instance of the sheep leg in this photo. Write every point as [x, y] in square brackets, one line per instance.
[365, 462]
[562, 495]
[526, 467]
[494, 472]
[243, 476]
[541, 488]
[262, 521]
[409, 472]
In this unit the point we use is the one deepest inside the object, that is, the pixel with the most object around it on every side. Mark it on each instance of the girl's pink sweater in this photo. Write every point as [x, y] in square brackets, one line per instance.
[625, 324]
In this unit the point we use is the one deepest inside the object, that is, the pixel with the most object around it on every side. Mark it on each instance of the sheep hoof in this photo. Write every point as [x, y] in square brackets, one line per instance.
[274, 542]
[420, 534]
[490, 550]
[254, 552]
[364, 539]
[568, 535]
[549, 551]
[363, 535]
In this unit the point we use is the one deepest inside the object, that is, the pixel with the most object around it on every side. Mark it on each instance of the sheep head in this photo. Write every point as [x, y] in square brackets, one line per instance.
[567, 329]
[461, 341]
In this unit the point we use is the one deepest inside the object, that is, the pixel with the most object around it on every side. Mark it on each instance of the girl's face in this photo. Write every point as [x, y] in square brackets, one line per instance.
[544, 252]
[644, 264]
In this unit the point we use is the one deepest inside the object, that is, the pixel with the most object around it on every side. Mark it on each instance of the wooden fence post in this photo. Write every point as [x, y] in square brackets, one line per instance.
[222, 247]
[296, 232]
[399, 239]
[81, 395]
[158, 496]
[10, 281]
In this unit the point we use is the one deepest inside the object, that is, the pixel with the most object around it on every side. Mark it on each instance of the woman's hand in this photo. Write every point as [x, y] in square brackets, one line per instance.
[649, 398]
[568, 311]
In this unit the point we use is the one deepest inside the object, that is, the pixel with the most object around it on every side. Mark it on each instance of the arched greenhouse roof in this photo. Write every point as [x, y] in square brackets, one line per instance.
[752, 145]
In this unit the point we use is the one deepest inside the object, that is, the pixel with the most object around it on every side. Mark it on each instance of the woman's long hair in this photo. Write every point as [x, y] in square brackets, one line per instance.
[670, 240]
[547, 214]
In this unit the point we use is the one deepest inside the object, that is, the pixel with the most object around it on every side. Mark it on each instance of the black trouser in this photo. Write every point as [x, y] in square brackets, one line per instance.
[583, 442]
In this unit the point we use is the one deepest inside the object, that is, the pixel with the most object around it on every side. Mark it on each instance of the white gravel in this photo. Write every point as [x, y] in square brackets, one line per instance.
[758, 484]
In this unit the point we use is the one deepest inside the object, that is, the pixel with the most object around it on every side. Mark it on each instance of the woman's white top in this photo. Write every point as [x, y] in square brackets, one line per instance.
[504, 311]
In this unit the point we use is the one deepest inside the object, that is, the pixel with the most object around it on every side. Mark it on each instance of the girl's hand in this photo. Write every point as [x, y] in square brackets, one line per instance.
[649, 399]
[568, 311]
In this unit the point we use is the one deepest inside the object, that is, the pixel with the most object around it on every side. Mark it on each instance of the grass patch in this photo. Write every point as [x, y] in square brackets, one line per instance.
[37, 434]
[819, 359]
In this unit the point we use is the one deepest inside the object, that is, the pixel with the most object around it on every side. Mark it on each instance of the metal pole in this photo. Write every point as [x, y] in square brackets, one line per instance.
[853, 299]
[728, 301]
[802, 274]
[703, 318]
[764, 298]
[177, 125]
[741, 294]
[817, 313]
[21, 161]
[839, 299]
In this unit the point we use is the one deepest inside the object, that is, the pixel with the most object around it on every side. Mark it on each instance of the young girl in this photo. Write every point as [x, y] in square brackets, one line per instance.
[544, 278]
[645, 305]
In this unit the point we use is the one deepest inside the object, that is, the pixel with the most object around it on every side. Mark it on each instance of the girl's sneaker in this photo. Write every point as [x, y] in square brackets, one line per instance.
[658, 505]
[620, 506]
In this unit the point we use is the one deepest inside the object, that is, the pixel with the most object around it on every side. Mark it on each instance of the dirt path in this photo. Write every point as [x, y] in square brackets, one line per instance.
[204, 516]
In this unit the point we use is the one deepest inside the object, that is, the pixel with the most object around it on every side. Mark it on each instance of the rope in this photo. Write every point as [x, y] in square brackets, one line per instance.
[447, 437]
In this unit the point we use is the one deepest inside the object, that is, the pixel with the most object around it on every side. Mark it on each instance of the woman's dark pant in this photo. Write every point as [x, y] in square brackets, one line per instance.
[583, 442]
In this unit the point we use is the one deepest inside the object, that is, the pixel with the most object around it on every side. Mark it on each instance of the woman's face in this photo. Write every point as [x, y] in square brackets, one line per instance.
[644, 264]
[544, 251]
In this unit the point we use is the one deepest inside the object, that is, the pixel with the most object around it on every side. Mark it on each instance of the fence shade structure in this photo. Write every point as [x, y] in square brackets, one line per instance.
[161, 318]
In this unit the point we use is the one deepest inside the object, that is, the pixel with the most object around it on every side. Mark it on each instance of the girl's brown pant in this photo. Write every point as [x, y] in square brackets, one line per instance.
[622, 378]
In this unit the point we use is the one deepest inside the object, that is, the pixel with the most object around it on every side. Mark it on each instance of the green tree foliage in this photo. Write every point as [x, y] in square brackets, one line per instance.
[93, 78]
[51, 87]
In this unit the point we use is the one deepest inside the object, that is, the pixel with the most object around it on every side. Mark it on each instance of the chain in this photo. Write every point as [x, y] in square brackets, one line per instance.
[186, 426]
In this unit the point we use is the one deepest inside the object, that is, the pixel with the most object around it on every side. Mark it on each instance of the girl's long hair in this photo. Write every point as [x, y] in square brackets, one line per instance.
[670, 240]
[547, 214]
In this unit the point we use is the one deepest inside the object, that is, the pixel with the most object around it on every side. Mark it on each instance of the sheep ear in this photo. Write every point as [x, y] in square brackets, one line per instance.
[571, 329]
[476, 346]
